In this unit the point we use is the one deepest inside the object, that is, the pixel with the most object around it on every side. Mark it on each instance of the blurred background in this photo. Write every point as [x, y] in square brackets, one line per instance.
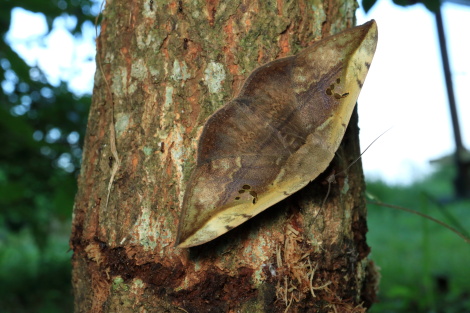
[47, 52]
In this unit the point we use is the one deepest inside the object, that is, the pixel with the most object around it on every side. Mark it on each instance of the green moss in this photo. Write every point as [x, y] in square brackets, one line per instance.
[119, 285]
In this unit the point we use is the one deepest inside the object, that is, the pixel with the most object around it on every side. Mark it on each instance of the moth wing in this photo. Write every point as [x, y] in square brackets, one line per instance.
[243, 152]
[240, 154]
[279, 133]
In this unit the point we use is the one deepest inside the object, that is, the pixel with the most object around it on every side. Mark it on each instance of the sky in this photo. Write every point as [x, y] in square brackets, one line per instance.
[404, 90]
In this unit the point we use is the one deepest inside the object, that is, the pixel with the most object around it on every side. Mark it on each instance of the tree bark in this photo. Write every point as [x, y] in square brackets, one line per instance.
[162, 69]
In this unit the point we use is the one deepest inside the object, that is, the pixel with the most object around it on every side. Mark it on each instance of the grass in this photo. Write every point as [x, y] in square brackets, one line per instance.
[424, 266]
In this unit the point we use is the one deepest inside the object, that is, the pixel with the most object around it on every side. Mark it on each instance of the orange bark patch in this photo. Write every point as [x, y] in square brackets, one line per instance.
[260, 55]
[164, 48]
[194, 113]
[229, 56]
[100, 288]
[284, 44]
[193, 51]
[135, 162]
[279, 7]
[92, 224]
[211, 6]
[124, 50]
[247, 24]
[173, 6]
[228, 29]
[233, 69]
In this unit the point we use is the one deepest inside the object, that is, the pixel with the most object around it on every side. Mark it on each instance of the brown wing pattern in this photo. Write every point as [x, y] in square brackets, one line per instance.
[279, 133]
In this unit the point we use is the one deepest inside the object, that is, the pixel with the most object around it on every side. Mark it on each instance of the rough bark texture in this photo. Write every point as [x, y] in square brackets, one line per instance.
[163, 68]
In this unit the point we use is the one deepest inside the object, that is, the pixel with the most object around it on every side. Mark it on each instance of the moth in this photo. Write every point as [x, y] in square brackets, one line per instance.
[279, 133]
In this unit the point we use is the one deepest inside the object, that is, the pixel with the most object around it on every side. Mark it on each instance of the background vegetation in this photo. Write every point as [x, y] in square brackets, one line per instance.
[424, 266]
[41, 131]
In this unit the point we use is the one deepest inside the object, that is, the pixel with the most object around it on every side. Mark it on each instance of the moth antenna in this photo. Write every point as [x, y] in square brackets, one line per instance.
[360, 156]
[332, 177]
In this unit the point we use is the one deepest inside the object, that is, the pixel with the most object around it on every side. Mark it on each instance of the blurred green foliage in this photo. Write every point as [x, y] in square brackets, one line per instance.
[41, 130]
[424, 266]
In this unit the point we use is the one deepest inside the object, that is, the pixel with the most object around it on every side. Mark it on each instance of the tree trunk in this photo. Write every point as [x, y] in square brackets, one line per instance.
[162, 69]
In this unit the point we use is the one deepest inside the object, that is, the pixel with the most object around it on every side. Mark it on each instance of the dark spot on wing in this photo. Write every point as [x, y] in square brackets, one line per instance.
[359, 83]
[254, 195]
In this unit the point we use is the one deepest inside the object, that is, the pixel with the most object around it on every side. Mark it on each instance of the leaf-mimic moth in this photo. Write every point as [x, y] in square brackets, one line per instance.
[279, 133]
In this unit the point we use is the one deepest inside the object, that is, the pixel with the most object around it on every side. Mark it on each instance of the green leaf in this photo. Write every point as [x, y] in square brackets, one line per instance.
[368, 4]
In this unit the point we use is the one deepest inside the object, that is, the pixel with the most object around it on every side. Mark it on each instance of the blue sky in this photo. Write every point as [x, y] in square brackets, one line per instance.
[404, 89]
